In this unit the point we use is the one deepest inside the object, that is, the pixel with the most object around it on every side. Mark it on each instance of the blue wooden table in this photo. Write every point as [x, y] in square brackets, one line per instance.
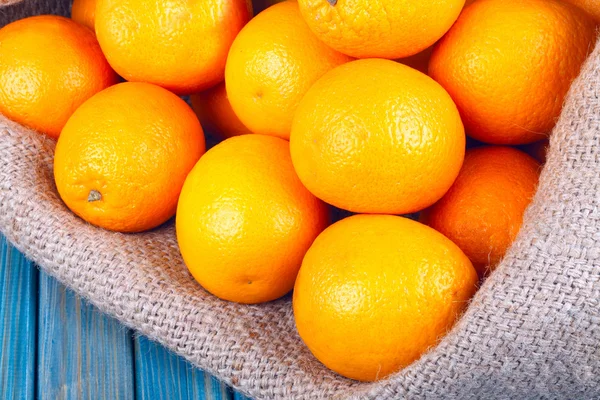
[53, 345]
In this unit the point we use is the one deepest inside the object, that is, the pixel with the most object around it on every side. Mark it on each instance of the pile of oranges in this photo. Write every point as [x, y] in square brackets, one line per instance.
[321, 108]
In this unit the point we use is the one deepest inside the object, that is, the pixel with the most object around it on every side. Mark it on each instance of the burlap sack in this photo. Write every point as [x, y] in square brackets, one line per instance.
[532, 331]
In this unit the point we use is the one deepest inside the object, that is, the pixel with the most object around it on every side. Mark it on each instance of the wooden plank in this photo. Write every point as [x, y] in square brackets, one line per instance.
[162, 375]
[18, 310]
[82, 354]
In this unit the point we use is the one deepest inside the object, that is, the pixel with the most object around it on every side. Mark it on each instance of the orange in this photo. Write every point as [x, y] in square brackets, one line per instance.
[591, 6]
[123, 156]
[179, 45]
[272, 63]
[508, 65]
[245, 221]
[84, 12]
[376, 291]
[375, 136]
[215, 113]
[385, 28]
[483, 211]
[49, 65]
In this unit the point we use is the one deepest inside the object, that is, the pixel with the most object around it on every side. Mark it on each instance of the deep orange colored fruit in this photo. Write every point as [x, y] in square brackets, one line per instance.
[49, 65]
[245, 221]
[123, 156]
[375, 136]
[84, 12]
[181, 46]
[508, 65]
[272, 63]
[386, 28]
[483, 211]
[592, 7]
[374, 292]
[215, 113]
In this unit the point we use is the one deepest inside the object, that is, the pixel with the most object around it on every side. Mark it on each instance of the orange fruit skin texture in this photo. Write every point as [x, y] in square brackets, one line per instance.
[215, 113]
[376, 291]
[592, 7]
[375, 136]
[272, 63]
[380, 28]
[49, 65]
[134, 143]
[179, 45]
[508, 65]
[244, 220]
[84, 12]
[483, 211]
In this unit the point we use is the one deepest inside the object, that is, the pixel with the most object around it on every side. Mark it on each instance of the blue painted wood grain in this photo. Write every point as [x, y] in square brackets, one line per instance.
[82, 354]
[18, 310]
[162, 375]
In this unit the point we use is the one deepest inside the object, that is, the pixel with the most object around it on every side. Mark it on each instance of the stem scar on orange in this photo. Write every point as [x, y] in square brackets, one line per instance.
[123, 156]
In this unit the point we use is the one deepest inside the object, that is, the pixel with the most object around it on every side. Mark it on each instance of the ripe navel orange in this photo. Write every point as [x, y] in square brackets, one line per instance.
[272, 63]
[49, 65]
[181, 46]
[375, 136]
[508, 65]
[375, 291]
[84, 12]
[123, 156]
[386, 28]
[483, 211]
[215, 113]
[244, 220]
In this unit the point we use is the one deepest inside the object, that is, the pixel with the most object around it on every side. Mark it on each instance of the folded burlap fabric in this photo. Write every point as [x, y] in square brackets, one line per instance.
[532, 331]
